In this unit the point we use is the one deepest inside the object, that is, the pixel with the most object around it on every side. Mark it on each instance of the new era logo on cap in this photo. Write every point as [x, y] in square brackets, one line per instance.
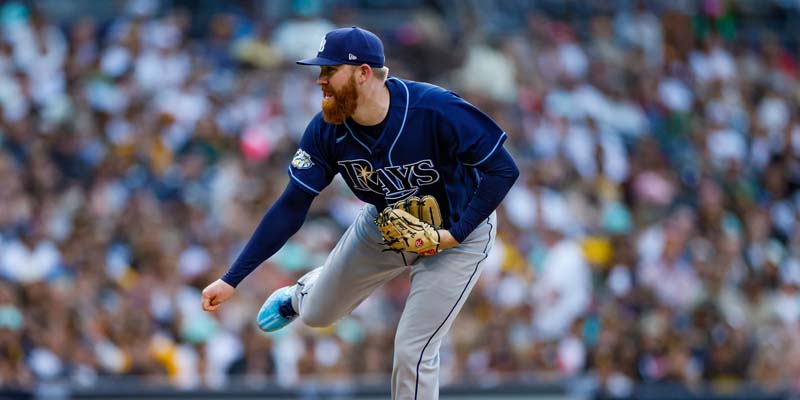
[348, 46]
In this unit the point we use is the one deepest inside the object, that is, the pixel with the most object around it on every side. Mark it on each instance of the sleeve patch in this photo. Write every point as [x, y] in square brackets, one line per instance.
[302, 160]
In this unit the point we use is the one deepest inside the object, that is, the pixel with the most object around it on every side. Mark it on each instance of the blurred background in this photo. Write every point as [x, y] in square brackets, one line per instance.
[650, 247]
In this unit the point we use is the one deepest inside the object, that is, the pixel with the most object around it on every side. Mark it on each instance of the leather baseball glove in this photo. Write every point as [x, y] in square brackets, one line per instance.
[402, 231]
[425, 208]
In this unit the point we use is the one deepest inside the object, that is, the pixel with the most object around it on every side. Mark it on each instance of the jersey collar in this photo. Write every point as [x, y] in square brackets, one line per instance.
[395, 122]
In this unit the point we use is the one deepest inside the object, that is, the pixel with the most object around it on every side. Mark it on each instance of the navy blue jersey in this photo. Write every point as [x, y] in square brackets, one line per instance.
[433, 143]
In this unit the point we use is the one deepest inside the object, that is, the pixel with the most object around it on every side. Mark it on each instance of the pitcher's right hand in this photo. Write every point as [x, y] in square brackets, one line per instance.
[216, 293]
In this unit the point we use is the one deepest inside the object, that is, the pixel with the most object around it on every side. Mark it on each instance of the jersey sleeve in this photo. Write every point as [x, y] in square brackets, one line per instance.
[311, 167]
[476, 136]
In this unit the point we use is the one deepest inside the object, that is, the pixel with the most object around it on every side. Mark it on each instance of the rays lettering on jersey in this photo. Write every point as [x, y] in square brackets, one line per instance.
[395, 182]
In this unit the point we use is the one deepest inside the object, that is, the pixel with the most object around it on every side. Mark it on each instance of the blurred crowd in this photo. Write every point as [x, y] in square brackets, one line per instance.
[654, 235]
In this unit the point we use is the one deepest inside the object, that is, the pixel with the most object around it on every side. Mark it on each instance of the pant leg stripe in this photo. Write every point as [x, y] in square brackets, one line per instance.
[485, 255]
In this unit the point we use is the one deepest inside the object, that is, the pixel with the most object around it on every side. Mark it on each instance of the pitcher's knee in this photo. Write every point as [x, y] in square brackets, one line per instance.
[405, 359]
[316, 319]
[413, 361]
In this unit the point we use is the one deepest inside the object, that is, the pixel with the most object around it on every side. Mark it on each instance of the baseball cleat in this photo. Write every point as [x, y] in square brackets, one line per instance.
[277, 311]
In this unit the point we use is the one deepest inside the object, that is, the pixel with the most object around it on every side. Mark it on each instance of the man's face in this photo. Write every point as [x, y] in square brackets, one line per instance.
[339, 93]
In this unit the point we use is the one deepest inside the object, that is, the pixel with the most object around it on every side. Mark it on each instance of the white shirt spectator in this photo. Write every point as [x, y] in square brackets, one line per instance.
[545, 137]
[296, 39]
[30, 56]
[187, 105]
[561, 103]
[592, 101]
[579, 148]
[714, 65]
[773, 114]
[728, 109]
[25, 265]
[581, 144]
[161, 34]
[193, 261]
[615, 156]
[726, 145]
[14, 103]
[158, 70]
[722, 64]
[786, 306]
[489, 71]
[642, 29]
[526, 205]
[222, 349]
[116, 60]
[42, 63]
[675, 95]
[573, 60]
[44, 363]
[511, 291]
[562, 291]
[107, 96]
[520, 202]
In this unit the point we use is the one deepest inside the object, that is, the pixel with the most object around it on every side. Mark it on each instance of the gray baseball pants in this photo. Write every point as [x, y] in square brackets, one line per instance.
[440, 285]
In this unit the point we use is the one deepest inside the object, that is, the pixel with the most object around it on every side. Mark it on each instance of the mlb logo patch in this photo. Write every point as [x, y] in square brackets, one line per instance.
[302, 160]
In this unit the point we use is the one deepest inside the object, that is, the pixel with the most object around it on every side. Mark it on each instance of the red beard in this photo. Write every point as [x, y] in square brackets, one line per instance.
[342, 105]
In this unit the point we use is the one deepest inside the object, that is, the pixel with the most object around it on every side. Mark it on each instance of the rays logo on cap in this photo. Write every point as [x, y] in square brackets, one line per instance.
[322, 45]
[302, 160]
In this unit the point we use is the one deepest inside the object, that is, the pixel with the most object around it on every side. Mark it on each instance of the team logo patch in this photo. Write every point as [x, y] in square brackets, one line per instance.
[322, 44]
[418, 243]
[302, 160]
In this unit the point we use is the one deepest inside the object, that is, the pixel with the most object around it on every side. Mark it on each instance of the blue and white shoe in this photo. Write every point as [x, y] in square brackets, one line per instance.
[277, 311]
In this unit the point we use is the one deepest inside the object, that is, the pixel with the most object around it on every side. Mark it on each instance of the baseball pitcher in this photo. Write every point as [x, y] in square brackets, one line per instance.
[431, 169]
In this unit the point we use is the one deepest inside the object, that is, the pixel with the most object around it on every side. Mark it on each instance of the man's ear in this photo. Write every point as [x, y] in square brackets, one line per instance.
[364, 73]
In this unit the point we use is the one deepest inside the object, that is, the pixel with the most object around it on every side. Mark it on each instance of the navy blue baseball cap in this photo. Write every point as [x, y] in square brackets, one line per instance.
[348, 46]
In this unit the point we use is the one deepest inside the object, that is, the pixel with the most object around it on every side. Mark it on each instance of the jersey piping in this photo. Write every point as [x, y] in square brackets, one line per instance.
[499, 141]
[301, 182]
[356, 138]
[405, 115]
